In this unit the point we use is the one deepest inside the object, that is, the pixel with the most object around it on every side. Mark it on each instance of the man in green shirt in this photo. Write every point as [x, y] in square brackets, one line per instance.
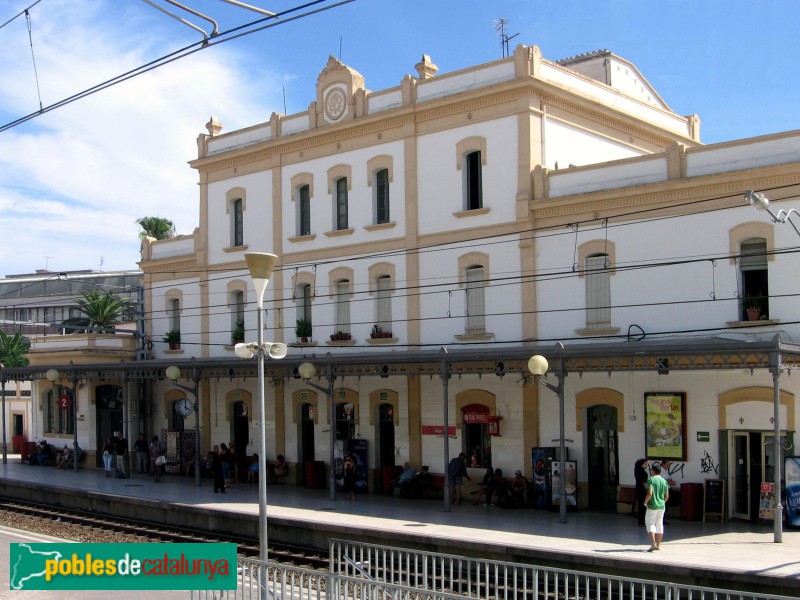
[655, 501]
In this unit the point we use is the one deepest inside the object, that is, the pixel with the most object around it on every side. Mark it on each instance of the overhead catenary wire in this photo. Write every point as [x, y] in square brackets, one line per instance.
[284, 17]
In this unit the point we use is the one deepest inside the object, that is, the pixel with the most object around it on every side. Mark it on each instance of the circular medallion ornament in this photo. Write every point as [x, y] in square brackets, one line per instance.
[335, 103]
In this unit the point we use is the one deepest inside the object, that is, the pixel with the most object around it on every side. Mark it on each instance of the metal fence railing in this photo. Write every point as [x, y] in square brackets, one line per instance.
[359, 571]
[499, 580]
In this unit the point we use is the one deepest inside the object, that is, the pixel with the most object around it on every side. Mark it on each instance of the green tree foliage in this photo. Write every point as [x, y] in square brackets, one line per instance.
[13, 349]
[155, 227]
[100, 311]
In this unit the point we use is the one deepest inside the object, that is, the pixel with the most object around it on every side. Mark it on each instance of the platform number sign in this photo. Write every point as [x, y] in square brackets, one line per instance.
[64, 402]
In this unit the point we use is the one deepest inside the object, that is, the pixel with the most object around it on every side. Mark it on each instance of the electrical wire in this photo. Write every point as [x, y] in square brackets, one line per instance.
[285, 17]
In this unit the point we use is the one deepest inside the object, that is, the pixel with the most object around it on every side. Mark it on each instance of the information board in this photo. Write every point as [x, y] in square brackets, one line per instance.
[714, 499]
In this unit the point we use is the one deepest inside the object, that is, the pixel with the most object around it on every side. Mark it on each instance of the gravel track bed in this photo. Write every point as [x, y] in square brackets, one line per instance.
[67, 531]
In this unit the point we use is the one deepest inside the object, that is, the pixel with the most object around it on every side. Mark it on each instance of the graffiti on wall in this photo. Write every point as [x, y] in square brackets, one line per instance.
[707, 464]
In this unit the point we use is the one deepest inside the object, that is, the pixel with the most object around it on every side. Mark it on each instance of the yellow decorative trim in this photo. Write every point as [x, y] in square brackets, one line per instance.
[300, 180]
[755, 394]
[375, 401]
[472, 259]
[599, 331]
[304, 396]
[474, 338]
[595, 247]
[301, 238]
[381, 341]
[231, 249]
[475, 212]
[747, 231]
[339, 232]
[597, 397]
[380, 226]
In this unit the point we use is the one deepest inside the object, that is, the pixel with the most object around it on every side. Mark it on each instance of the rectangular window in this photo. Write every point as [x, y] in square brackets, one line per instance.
[237, 312]
[237, 223]
[474, 185]
[383, 303]
[174, 315]
[341, 204]
[476, 309]
[304, 207]
[598, 292]
[382, 196]
[342, 302]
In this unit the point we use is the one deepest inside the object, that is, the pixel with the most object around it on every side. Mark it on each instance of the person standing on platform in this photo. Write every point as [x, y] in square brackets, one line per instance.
[108, 455]
[655, 501]
[640, 476]
[349, 477]
[219, 474]
[456, 471]
[122, 456]
[140, 445]
[155, 451]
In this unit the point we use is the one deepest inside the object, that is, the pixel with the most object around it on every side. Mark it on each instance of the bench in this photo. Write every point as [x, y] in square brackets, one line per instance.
[435, 489]
[626, 494]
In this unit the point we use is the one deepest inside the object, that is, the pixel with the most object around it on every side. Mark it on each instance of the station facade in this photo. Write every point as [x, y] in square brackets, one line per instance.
[433, 236]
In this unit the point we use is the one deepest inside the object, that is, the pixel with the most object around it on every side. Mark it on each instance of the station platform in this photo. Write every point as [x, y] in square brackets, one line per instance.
[730, 555]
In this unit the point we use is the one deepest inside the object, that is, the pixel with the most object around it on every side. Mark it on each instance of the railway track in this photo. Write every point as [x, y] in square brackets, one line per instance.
[93, 527]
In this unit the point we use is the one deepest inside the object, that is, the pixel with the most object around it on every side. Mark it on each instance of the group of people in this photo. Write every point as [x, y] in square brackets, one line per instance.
[652, 494]
[47, 455]
[116, 446]
[508, 494]
[411, 483]
[221, 462]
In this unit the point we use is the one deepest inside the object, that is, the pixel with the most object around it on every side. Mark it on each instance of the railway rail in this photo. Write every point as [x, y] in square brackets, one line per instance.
[94, 527]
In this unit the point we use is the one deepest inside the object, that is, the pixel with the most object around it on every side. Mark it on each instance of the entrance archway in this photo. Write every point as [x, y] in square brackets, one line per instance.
[603, 457]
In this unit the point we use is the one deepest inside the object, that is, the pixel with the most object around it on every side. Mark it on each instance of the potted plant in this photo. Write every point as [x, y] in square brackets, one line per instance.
[303, 330]
[237, 335]
[753, 305]
[173, 338]
[340, 336]
[378, 332]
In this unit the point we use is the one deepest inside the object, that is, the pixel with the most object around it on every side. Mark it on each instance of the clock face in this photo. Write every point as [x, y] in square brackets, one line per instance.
[335, 104]
[184, 407]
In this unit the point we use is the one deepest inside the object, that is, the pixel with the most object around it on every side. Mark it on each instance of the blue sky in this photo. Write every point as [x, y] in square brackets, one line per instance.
[73, 181]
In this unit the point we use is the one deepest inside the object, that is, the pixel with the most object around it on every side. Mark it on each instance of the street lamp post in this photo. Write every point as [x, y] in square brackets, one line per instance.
[538, 366]
[174, 373]
[52, 376]
[446, 416]
[261, 265]
[307, 371]
[3, 391]
[760, 202]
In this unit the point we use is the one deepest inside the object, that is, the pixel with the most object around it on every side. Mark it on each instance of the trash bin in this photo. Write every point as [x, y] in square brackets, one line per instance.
[389, 474]
[315, 474]
[17, 442]
[691, 501]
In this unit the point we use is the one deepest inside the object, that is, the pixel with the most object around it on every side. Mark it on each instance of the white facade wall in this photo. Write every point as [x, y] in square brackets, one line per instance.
[567, 145]
[187, 291]
[440, 181]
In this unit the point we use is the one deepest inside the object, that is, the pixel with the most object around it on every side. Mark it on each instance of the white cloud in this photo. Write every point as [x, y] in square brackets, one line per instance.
[73, 181]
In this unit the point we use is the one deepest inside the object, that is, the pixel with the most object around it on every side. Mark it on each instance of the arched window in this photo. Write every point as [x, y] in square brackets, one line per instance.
[476, 300]
[754, 275]
[342, 304]
[473, 184]
[304, 210]
[598, 292]
[382, 196]
[237, 222]
[341, 204]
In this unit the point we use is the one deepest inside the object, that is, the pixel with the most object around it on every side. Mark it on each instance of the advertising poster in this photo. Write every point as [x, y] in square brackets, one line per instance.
[540, 459]
[766, 503]
[358, 449]
[792, 475]
[665, 425]
[570, 472]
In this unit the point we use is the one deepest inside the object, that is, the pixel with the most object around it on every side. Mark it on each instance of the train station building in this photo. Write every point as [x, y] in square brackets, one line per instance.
[434, 236]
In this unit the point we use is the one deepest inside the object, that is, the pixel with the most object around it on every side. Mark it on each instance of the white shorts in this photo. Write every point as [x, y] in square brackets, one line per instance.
[654, 520]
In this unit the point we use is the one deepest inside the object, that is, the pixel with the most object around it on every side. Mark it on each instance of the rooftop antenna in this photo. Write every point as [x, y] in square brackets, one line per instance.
[340, 48]
[500, 28]
[47, 262]
[284, 99]
[102, 260]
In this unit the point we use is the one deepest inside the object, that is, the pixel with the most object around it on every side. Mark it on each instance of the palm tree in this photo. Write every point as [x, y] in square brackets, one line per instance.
[13, 349]
[101, 311]
[156, 227]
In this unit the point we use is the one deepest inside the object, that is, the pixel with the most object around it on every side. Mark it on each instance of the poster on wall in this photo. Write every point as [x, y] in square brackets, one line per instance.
[570, 473]
[665, 425]
[766, 501]
[792, 475]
